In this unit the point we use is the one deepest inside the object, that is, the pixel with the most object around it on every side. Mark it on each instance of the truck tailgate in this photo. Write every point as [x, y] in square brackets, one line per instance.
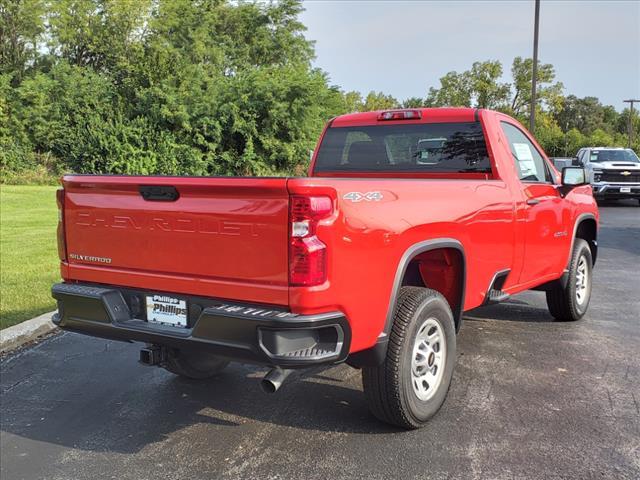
[222, 237]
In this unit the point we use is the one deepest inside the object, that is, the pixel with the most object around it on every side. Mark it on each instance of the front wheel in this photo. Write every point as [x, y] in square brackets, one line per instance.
[570, 303]
[412, 383]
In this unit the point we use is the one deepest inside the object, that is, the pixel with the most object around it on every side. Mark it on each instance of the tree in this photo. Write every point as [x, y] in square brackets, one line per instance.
[352, 101]
[169, 86]
[478, 87]
[586, 115]
[621, 123]
[21, 30]
[413, 102]
[486, 89]
[549, 94]
[379, 101]
[600, 138]
[101, 34]
[454, 91]
[574, 140]
[549, 134]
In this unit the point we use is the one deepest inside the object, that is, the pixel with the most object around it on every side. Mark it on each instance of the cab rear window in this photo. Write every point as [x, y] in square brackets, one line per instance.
[423, 148]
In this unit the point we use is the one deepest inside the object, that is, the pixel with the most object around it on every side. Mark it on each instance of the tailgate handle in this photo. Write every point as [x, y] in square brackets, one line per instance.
[159, 193]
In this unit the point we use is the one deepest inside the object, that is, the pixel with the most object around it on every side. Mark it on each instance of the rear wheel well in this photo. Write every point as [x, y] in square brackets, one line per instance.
[588, 231]
[437, 264]
[442, 270]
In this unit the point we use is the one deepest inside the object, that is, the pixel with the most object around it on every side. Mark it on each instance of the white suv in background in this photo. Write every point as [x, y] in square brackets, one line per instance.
[614, 173]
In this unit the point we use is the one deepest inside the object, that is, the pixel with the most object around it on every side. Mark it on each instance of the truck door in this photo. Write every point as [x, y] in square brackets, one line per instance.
[547, 215]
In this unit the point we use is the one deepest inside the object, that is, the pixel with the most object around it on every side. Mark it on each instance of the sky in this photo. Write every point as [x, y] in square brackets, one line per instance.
[403, 47]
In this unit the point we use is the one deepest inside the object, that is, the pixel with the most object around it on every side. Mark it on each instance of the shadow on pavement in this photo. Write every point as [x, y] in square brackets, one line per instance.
[89, 394]
[513, 310]
[124, 407]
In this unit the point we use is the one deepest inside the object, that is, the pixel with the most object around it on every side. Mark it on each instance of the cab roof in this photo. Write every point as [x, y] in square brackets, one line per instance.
[427, 115]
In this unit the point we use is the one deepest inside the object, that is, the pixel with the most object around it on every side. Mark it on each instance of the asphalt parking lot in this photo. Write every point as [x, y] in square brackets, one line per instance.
[530, 398]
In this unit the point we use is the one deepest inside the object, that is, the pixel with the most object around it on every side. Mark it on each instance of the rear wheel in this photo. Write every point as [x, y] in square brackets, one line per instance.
[196, 365]
[412, 383]
[571, 302]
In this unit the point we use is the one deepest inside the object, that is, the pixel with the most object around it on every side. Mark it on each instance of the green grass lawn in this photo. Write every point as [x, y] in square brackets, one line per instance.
[28, 252]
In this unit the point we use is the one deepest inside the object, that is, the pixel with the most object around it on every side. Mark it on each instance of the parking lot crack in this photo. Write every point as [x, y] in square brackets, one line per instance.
[15, 384]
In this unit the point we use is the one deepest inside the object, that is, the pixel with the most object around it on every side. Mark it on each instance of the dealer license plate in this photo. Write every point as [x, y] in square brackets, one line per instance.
[625, 189]
[167, 310]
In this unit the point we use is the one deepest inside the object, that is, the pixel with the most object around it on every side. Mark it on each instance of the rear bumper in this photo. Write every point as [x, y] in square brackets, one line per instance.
[246, 333]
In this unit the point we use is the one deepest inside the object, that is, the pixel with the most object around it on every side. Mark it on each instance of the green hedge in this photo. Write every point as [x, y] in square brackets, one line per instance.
[209, 87]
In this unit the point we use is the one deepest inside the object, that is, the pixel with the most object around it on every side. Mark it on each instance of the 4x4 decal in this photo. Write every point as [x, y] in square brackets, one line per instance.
[359, 197]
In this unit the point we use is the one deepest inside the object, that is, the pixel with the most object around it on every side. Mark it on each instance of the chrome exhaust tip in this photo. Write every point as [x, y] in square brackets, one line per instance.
[274, 379]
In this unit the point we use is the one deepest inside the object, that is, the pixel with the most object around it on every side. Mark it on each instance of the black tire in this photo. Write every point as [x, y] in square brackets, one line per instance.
[195, 365]
[389, 388]
[564, 303]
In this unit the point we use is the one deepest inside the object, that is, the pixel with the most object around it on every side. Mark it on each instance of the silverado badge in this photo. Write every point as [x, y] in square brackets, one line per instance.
[89, 258]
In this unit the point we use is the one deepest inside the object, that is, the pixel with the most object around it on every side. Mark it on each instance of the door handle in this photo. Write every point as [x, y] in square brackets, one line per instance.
[533, 201]
[159, 193]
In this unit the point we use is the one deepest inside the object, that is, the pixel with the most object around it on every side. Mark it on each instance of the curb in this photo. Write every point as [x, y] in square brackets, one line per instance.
[25, 332]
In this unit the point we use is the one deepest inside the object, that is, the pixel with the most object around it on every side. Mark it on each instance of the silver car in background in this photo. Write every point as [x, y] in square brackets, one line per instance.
[614, 173]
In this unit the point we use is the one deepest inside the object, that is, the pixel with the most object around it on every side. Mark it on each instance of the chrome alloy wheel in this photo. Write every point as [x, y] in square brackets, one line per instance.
[428, 359]
[582, 280]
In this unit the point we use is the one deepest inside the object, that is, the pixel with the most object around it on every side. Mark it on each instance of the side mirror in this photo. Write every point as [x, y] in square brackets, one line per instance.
[572, 177]
[575, 162]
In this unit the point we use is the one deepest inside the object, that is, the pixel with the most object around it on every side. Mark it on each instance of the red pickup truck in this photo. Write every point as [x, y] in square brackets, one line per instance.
[408, 219]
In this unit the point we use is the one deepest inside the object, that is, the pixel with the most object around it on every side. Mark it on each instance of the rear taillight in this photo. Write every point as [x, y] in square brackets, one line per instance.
[62, 245]
[307, 254]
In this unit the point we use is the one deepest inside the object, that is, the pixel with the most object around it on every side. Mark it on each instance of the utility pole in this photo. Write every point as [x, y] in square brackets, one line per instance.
[630, 127]
[534, 76]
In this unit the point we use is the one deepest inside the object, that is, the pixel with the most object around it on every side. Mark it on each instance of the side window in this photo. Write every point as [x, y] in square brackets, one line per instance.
[581, 156]
[530, 165]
